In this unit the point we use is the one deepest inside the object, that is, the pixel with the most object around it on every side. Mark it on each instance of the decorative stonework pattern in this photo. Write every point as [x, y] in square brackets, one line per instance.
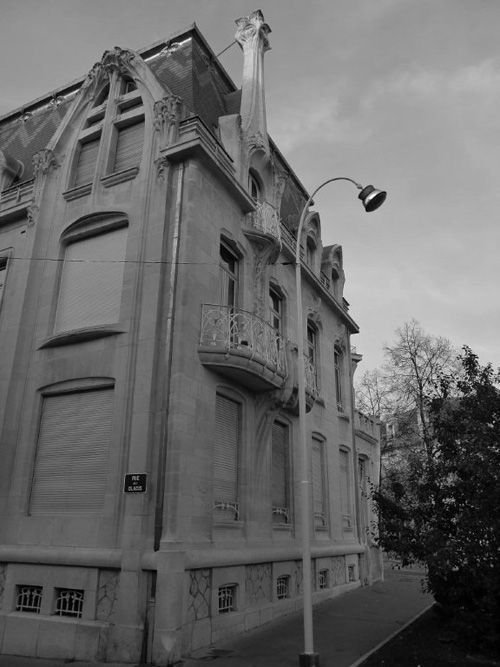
[338, 570]
[200, 590]
[3, 576]
[43, 160]
[118, 60]
[106, 594]
[258, 583]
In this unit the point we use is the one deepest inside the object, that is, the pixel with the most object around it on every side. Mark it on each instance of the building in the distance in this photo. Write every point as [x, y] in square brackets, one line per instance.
[149, 483]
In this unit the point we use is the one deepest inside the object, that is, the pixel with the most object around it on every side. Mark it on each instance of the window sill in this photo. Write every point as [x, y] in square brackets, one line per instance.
[119, 177]
[80, 336]
[219, 525]
[283, 527]
[343, 415]
[80, 191]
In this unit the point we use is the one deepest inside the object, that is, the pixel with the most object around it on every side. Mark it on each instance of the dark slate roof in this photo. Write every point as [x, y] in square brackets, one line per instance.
[184, 64]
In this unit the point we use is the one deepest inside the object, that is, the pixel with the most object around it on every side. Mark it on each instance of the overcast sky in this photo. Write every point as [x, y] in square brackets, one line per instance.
[404, 94]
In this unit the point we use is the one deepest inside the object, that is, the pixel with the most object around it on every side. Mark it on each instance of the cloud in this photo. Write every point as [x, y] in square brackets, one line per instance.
[482, 78]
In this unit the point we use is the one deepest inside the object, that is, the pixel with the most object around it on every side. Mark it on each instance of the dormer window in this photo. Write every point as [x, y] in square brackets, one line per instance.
[111, 143]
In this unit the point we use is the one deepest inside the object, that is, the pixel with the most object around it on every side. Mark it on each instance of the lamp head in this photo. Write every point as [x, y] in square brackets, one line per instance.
[372, 198]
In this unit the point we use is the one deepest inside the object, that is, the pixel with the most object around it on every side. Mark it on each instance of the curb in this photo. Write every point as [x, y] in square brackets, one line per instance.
[364, 657]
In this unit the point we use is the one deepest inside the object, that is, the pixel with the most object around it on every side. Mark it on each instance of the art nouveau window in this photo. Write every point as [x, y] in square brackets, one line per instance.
[338, 358]
[226, 459]
[319, 484]
[345, 491]
[312, 353]
[112, 138]
[91, 280]
[228, 276]
[70, 471]
[280, 473]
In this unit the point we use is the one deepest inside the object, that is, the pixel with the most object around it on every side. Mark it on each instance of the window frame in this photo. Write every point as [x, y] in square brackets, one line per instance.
[319, 495]
[338, 364]
[232, 506]
[86, 228]
[345, 489]
[282, 513]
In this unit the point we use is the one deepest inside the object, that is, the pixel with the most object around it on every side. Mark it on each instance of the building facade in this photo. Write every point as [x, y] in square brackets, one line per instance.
[149, 484]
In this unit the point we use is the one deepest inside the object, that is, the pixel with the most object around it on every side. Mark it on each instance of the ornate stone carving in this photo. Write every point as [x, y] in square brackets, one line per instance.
[253, 28]
[167, 114]
[43, 160]
[251, 35]
[32, 214]
[93, 78]
[117, 60]
[161, 165]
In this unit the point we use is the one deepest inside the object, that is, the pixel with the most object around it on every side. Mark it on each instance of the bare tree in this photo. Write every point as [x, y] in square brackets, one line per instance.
[397, 393]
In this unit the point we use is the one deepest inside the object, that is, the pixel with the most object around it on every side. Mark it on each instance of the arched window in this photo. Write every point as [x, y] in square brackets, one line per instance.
[228, 272]
[310, 252]
[91, 280]
[254, 186]
[120, 128]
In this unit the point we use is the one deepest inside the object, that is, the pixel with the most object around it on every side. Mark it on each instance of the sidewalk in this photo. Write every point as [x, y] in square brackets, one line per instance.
[346, 629]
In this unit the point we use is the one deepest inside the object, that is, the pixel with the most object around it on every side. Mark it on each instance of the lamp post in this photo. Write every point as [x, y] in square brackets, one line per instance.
[372, 199]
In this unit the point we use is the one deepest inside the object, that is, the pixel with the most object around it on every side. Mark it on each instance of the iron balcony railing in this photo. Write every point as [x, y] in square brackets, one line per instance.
[311, 377]
[265, 219]
[236, 330]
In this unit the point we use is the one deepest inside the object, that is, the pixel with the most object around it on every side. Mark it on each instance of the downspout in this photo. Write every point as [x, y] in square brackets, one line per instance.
[172, 293]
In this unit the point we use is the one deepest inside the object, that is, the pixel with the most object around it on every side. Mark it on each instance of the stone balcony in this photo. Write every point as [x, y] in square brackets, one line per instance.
[243, 347]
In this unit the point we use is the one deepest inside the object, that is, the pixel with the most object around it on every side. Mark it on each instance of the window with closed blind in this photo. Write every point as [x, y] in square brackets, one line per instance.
[91, 278]
[280, 473]
[71, 464]
[111, 140]
[128, 151]
[86, 162]
[226, 459]
[319, 484]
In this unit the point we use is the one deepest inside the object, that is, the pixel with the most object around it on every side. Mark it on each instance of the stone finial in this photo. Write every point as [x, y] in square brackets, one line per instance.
[251, 35]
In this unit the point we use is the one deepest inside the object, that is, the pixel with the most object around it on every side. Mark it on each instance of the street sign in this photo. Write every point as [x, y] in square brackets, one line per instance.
[135, 483]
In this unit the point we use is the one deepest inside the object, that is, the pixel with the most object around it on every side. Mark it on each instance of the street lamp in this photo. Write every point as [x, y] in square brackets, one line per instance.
[372, 199]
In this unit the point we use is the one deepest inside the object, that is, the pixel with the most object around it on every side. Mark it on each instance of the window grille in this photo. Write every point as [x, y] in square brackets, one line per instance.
[283, 587]
[351, 573]
[29, 599]
[323, 579]
[69, 602]
[227, 598]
